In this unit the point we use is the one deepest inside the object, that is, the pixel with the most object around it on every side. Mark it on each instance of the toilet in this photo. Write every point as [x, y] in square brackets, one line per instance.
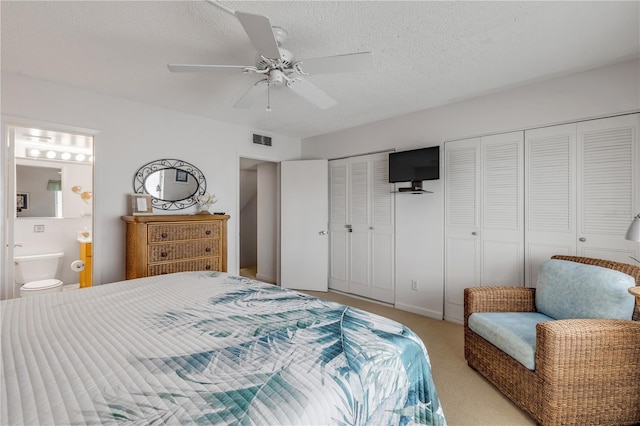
[36, 273]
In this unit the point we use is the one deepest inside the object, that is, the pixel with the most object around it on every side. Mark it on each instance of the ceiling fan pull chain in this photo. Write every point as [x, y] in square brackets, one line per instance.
[268, 97]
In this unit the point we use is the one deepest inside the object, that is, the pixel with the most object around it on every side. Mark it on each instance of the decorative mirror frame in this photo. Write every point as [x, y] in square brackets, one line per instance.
[168, 163]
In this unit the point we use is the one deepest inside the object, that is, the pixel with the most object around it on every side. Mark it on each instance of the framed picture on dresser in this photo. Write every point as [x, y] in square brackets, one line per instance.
[140, 204]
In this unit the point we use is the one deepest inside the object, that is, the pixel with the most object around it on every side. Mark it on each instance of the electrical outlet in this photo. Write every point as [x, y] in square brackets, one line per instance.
[414, 285]
[38, 228]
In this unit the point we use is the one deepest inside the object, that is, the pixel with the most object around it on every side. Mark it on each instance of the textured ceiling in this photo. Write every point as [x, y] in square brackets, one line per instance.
[426, 53]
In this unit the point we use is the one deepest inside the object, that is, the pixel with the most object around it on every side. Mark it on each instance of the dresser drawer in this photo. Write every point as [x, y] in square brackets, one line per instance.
[183, 231]
[202, 264]
[183, 250]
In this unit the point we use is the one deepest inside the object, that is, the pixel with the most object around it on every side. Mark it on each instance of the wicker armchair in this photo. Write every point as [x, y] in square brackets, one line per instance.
[587, 371]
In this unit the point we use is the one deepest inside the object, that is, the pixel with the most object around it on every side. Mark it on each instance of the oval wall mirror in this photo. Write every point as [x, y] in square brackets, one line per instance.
[172, 184]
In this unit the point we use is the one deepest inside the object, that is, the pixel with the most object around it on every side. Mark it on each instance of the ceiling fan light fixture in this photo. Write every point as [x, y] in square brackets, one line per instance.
[280, 34]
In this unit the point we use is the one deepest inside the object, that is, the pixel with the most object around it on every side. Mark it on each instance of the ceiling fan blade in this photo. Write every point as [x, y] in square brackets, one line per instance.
[311, 93]
[259, 30]
[250, 97]
[340, 63]
[206, 68]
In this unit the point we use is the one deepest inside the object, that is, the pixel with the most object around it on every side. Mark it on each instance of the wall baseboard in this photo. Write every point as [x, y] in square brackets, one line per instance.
[420, 311]
[267, 279]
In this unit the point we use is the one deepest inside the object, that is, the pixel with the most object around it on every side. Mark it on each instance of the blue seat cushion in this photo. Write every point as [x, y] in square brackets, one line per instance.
[567, 290]
[512, 332]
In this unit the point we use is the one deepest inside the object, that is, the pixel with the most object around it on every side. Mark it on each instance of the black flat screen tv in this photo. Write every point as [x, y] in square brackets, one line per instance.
[415, 166]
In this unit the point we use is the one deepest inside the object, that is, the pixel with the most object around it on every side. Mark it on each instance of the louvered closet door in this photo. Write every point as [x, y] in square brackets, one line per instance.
[358, 218]
[502, 215]
[550, 196]
[381, 230]
[338, 236]
[462, 219]
[484, 233]
[361, 226]
[608, 186]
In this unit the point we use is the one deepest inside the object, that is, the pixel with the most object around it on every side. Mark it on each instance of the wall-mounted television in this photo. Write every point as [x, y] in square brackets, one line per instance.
[414, 166]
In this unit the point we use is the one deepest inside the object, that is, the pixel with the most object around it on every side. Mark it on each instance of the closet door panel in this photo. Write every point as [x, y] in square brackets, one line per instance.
[607, 186]
[502, 218]
[550, 189]
[338, 238]
[462, 223]
[381, 230]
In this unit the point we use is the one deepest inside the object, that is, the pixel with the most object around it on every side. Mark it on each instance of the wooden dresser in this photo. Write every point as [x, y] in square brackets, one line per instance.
[162, 244]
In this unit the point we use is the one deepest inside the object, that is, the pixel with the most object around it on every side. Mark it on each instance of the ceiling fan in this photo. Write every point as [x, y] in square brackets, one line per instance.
[278, 66]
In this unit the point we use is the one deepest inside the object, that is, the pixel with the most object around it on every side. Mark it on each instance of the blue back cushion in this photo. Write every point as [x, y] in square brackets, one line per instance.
[568, 290]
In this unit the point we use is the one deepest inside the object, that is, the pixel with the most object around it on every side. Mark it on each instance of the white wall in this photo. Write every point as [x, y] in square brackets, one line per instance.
[267, 222]
[131, 134]
[248, 218]
[419, 222]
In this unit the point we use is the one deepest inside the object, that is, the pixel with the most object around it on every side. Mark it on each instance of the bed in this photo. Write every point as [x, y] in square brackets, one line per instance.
[208, 348]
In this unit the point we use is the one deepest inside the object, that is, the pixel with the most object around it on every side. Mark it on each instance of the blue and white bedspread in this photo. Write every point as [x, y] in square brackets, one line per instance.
[208, 348]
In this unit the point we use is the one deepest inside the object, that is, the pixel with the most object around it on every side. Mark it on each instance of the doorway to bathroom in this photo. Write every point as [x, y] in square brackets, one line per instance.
[49, 201]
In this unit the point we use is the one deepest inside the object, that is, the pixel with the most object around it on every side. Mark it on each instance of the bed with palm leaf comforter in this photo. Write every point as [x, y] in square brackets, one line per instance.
[208, 348]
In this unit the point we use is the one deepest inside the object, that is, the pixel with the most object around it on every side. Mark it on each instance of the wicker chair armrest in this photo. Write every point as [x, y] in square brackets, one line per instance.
[498, 299]
[577, 347]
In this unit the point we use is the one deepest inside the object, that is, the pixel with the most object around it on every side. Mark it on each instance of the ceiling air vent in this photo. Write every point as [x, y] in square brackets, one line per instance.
[261, 140]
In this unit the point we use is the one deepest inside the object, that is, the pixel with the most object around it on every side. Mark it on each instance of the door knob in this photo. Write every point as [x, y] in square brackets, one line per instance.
[474, 233]
[582, 239]
[322, 233]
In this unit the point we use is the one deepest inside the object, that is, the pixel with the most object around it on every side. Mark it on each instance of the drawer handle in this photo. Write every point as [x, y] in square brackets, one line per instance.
[163, 254]
[164, 235]
[208, 232]
[207, 267]
[208, 249]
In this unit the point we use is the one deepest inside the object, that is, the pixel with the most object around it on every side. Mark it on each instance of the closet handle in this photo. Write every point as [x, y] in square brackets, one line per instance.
[474, 233]
[582, 239]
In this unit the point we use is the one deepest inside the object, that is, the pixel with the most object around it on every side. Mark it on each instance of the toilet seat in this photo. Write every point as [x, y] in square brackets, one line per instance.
[41, 285]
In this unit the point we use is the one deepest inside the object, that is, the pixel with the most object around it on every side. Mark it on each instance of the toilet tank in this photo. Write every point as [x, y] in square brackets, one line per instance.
[36, 267]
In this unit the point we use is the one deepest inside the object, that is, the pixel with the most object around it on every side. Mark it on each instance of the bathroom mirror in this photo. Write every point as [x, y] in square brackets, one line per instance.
[172, 184]
[39, 191]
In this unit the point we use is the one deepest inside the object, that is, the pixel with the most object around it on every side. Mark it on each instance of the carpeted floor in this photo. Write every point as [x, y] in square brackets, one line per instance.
[466, 397]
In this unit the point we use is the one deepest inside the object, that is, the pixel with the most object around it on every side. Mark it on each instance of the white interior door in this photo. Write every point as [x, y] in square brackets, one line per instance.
[304, 219]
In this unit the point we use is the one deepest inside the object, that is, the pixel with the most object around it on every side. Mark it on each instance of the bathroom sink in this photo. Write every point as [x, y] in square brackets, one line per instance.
[84, 240]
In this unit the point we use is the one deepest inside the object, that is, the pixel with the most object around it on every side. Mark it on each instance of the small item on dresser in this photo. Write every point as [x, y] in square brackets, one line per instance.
[140, 204]
[219, 213]
[205, 201]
